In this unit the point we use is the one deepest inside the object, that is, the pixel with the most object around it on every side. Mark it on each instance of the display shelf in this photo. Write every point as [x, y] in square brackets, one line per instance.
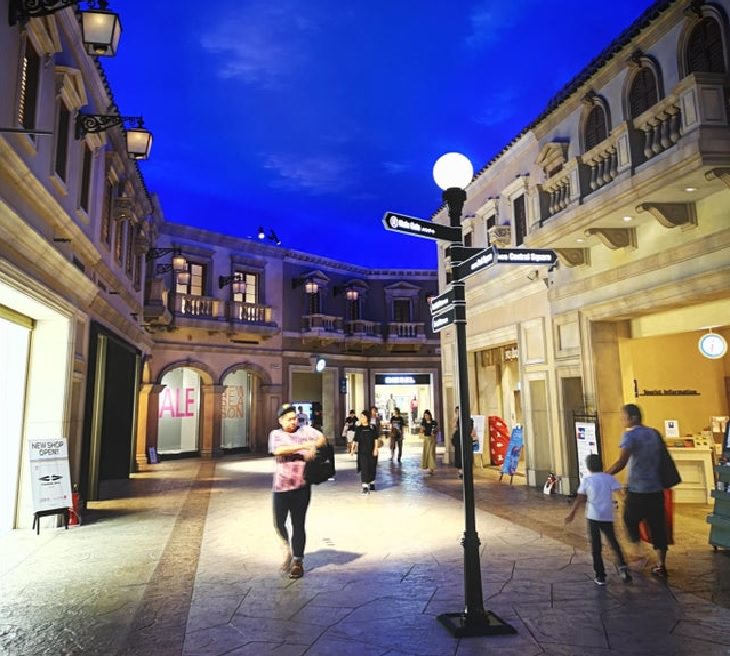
[719, 520]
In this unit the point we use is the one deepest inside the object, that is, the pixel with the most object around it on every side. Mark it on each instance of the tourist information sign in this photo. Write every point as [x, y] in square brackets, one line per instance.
[492, 255]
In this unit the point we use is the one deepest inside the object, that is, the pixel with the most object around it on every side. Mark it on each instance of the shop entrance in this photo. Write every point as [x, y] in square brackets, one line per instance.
[179, 413]
[236, 411]
[15, 331]
[412, 394]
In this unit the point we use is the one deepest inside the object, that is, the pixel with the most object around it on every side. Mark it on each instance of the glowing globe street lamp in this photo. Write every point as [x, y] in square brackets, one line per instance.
[453, 172]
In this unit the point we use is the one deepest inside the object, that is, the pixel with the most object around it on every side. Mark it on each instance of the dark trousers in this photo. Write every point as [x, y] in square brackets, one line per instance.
[595, 528]
[396, 440]
[648, 506]
[295, 504]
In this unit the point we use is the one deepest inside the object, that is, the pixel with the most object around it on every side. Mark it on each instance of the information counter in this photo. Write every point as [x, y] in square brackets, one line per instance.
[695, 465]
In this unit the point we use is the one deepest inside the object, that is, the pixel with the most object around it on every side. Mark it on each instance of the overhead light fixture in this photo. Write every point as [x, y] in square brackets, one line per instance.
[100, 28]
[261, 233]
[690, 189]
[628, 218]
[139, 139]
[311, 288]
[352, 294]
[319, 363]
[580, 240]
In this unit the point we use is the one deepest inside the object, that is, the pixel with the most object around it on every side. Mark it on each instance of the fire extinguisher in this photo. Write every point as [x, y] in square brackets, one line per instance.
[75, 510]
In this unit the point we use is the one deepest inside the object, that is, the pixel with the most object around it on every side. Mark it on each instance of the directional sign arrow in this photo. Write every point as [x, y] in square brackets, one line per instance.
[486, 258]
[410, 225]
[442, 302]
[531, 256]
[440, 322]
[462, 253]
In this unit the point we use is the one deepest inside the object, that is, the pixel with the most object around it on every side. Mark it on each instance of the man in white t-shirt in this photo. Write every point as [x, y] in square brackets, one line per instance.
[596, 491]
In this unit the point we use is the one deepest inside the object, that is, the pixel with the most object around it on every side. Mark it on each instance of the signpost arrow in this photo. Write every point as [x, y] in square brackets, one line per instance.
[462, 253]
[484, 259]
[442, 302]
[438, 323]
[410, 225]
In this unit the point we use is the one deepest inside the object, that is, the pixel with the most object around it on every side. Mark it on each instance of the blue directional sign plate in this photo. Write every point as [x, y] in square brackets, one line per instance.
[439, 322]
[410, 225]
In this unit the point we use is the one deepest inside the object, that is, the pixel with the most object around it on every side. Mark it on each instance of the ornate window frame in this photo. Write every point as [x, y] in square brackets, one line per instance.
[695, 12]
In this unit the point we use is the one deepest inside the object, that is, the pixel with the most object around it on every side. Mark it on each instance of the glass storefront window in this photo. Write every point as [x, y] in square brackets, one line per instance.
[179, 412]
[236, 411]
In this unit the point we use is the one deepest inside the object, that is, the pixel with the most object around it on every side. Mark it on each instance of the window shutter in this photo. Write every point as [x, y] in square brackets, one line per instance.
[705, 53]
[643, 94]
[595, 131]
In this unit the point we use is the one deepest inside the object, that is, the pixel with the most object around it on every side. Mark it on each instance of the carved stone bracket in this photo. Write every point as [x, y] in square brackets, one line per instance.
[614, 238]
[671, 215]
[573, 257]
[122, 209]
[721, 173]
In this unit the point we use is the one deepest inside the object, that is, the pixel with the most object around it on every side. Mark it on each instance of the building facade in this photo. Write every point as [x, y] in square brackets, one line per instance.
[73, 228]
[236, 333]
[625, 175]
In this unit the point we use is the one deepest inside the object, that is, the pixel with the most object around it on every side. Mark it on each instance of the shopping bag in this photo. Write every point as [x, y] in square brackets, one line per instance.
[644, 532]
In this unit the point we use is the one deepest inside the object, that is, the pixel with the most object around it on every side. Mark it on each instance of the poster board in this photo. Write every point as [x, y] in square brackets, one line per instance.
[587, 440]
[514, 451]
[50, 474]
[478, 439]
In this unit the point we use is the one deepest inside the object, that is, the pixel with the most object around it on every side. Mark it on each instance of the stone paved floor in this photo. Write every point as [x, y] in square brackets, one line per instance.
[184, 561]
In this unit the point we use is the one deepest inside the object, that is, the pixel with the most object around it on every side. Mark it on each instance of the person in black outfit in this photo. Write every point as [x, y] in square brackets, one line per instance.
[397, 421]
[367, 452]
[456, 441]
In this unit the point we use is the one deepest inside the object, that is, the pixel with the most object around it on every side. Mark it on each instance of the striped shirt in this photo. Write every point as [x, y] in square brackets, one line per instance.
[289, 470]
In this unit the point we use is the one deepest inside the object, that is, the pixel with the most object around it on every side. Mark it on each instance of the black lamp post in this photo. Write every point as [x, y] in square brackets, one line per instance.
[453, 172]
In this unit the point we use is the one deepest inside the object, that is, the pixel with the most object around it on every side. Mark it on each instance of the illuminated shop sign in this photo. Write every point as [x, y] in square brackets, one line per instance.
[403, 379]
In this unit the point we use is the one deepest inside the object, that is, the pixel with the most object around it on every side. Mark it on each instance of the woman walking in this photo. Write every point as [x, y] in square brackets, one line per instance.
[366, 438]
[428, 430]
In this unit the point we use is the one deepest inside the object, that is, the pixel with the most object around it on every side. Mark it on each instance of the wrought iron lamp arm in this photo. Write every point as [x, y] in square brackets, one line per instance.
[93, 123]
[154, 253]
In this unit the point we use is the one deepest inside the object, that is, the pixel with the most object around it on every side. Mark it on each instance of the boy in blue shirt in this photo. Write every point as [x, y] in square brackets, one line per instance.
[596, 491]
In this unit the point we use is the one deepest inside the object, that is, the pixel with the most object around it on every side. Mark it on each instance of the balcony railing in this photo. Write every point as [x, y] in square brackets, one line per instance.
[249, 312]
[213, 309]
[200, 307]
[320, 323]
[661, 125]
[409, 330]
[362, 328]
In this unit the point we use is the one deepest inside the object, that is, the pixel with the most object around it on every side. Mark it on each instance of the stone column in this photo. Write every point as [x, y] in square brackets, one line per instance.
[147, 420]
[212, 403]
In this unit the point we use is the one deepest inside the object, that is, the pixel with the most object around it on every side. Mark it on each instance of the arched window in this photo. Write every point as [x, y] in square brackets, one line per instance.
[704, 48]
[643, 93]
[595, 130]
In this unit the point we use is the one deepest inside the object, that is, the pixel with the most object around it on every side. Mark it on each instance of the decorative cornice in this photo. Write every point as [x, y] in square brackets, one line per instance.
[573, 257]
[719, 173]
[671, 215]
[614, 238]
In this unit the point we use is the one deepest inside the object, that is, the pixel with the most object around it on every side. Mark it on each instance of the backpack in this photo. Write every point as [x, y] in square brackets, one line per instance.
[322, 468]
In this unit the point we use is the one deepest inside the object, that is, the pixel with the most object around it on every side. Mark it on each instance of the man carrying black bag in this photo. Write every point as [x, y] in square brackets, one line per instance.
[642, 449]
[292, 446]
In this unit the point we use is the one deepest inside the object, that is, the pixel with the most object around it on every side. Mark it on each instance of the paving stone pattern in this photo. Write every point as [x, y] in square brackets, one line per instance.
[185, 561]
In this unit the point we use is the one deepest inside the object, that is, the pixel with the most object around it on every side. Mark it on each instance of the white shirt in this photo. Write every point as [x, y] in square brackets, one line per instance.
[599, 488]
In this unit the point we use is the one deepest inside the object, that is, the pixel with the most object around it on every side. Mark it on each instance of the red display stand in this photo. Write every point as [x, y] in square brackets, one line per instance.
[498, 440]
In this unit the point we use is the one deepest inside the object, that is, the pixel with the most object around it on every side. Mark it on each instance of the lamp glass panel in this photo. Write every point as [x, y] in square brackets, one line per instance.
[139, 143]
[101, 32]
[311, 288]
[453, 170]
[351, 295]
[179, 263]
[238, 287]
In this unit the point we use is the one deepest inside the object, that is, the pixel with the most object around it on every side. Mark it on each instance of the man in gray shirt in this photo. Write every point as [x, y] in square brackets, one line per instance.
[640, 450]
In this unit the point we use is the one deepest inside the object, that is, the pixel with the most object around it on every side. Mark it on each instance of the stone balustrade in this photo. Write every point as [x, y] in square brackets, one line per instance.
[364, 328]
[405, 329]
[202, 307]
[249, 312]
[322, 323]
[661, 126]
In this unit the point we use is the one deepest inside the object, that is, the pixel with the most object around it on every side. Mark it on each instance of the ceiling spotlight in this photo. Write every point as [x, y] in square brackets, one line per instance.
[690, 189]
[580, 240]
[628, 218]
